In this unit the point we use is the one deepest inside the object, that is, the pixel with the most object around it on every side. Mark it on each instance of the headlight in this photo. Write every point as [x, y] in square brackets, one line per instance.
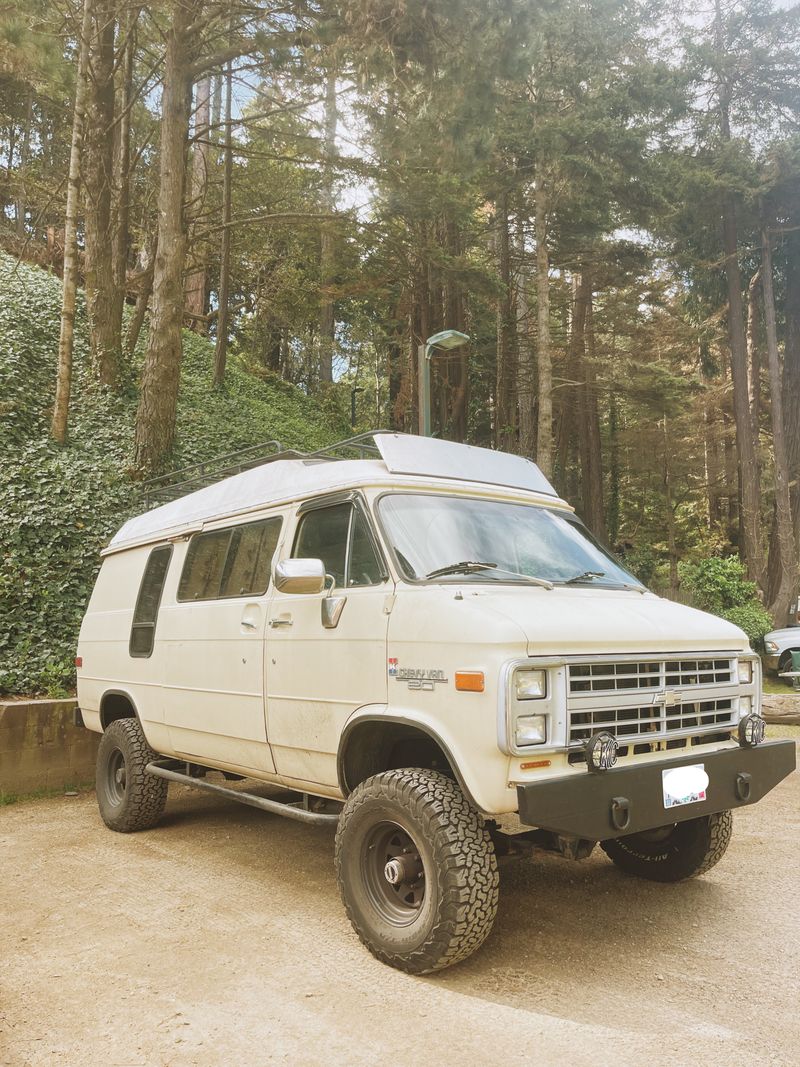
[531, 730]
[770, 646]
[530, 685]
[745, 671]
[745, 706]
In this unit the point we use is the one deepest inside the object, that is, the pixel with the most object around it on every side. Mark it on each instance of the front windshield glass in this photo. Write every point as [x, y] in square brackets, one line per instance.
[429, 533]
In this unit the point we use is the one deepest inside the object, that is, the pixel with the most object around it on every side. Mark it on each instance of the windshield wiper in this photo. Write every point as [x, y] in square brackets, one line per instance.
[584, 576]
[589, 576]
[466, 566]
[471, 567]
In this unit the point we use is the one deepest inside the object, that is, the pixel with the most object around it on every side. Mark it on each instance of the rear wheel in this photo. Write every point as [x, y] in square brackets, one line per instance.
[673, 853]
[128, 797]
[416, 869]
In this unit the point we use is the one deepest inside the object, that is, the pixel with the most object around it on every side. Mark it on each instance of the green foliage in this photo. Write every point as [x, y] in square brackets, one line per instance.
[59, 507]
[719, 585]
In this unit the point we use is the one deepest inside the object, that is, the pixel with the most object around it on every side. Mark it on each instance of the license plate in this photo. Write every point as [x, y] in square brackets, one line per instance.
[684, 785]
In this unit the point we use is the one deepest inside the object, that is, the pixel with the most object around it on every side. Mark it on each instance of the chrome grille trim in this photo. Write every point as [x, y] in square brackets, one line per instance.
[651, 699]
[622, 676]
[653, 721]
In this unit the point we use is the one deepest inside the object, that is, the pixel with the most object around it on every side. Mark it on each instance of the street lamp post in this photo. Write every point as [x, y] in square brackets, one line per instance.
[445, 340]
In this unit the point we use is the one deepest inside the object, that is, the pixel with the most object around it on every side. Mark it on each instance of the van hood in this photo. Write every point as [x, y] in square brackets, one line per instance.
[591, 620]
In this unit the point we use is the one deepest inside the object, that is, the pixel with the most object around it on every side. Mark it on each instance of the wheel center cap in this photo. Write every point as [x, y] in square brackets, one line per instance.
[393, 872]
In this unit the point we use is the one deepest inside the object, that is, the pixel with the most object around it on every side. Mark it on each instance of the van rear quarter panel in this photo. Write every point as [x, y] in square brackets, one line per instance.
[104, 639]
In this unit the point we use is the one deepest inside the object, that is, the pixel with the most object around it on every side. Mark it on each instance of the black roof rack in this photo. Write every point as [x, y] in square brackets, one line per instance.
[166, 487]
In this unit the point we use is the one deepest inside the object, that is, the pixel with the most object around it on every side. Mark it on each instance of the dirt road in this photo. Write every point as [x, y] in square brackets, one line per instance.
[218, 938]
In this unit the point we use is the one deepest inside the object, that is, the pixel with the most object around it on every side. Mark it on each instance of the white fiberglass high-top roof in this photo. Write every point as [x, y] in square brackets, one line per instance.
[402, 457]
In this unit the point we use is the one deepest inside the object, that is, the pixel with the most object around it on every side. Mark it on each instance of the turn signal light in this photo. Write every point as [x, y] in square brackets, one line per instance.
[469, 681]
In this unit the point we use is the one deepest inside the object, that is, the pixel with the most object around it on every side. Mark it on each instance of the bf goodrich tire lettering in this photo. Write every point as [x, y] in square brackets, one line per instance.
[129, 798]
[451, 849]
[685, 850]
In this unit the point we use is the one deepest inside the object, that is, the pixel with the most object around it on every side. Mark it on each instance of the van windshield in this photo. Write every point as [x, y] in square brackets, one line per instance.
[467, 539]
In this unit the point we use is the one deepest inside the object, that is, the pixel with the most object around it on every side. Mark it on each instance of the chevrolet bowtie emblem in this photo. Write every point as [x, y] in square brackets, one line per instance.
[669, 698]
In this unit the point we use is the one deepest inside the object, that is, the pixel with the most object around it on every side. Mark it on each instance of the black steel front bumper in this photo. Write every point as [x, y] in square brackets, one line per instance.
[626, 800]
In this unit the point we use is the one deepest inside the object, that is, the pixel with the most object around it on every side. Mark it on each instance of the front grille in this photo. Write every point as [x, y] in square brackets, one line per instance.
[637, 722]
[648, 674]
[649, 703]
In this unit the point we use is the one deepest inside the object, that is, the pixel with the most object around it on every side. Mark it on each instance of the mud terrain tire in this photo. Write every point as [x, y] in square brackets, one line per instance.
[129, 798]
[676, 853]
[417, 827]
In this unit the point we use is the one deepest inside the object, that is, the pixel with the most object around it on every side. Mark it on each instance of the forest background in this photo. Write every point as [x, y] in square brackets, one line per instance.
[230, 222]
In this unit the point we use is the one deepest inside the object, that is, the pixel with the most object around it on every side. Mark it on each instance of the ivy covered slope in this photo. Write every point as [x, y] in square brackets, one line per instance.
[59, 507]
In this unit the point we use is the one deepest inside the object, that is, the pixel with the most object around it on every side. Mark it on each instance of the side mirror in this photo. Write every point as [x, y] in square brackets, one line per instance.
[300, 576]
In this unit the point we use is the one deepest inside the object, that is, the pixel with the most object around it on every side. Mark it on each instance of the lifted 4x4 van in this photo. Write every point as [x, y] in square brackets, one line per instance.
[427, 649]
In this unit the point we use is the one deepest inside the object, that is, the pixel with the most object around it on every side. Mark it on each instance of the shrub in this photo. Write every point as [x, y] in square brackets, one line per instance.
[720, 585]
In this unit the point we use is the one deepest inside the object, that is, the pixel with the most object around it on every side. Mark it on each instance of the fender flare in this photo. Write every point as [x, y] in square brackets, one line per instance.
[378, 718]
[118, 693]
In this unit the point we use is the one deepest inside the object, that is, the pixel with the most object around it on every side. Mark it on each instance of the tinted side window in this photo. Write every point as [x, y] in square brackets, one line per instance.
[145, 615]
[249, 558]
[340, 537]
[228, 563]
[323, 535]
[202, 570]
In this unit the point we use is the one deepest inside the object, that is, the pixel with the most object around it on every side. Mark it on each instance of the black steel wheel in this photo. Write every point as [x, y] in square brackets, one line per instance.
[673, 853]
[129, 798]
[416, 869]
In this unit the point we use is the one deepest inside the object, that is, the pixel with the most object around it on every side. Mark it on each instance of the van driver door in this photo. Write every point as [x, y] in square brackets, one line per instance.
[320, 670]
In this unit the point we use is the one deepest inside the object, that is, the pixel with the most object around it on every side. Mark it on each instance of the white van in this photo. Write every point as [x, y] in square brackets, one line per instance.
[426, 648]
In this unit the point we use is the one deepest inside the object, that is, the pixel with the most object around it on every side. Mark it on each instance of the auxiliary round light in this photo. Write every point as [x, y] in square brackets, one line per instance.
[752, 730]
[601, 751]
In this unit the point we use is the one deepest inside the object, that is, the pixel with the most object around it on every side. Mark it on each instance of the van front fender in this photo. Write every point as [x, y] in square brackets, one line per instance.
[486, 787]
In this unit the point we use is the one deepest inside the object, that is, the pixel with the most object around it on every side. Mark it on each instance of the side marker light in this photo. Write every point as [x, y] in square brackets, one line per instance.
[470, 681]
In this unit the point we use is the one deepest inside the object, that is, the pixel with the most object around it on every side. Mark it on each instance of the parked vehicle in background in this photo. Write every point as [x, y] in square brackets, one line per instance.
[432, 653]
[779, 645]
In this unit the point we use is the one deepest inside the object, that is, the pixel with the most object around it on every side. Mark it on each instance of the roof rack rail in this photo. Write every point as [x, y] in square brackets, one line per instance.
[170, 486]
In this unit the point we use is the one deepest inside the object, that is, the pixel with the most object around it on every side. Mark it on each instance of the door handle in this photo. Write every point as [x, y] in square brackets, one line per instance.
[283, 620]
[248, 625]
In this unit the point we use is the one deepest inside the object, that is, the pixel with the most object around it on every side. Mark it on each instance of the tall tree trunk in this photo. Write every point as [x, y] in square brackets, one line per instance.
[790, 387]
[70, 279]
[155, 417]
[20, 203]
[120, 205]
[750, 510]
[591, 445]
[779, 607]
[327, 255]
[670, 510]
[104, 329]
[195, 286]
[221, 348]
[754, 352]
[506, 406]
[145, 288]
[526, 391]
[750, 514]
[544, 433]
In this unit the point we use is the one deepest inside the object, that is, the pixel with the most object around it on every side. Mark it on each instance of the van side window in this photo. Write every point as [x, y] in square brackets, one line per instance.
[145, 615]
[231, 562]
[339, 535]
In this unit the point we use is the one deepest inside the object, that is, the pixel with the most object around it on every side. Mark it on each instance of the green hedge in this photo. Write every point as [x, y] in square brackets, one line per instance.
[720, 585]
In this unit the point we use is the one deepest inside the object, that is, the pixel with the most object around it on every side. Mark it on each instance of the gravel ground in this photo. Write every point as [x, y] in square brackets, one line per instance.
[219, 938]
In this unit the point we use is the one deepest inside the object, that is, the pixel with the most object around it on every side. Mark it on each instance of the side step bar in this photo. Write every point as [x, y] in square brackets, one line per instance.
[290, 811]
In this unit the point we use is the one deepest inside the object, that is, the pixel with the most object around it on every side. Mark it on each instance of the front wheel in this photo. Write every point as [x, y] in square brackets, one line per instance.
[673, 853]
[416, 869]
[128, 797]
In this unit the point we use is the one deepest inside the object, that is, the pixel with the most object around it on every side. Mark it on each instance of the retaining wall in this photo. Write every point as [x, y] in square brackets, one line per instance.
[41, 748]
